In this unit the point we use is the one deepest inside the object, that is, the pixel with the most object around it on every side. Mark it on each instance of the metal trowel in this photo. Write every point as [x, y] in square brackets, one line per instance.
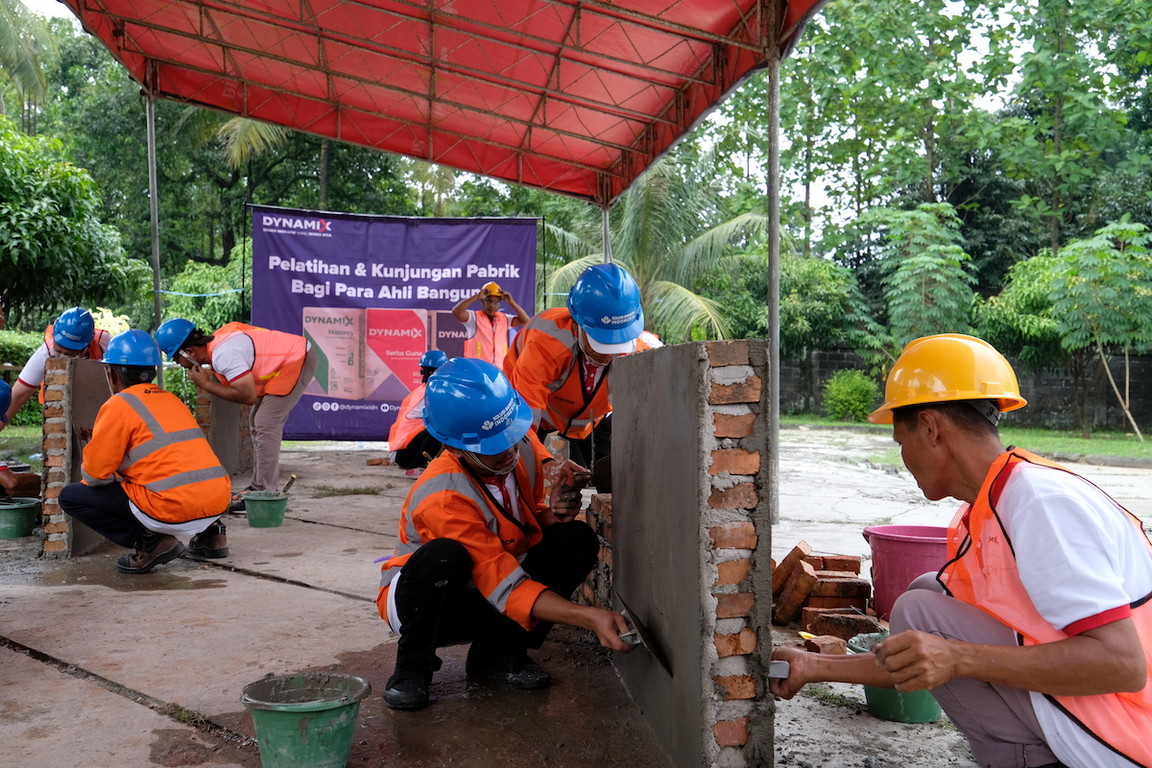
[639, 635]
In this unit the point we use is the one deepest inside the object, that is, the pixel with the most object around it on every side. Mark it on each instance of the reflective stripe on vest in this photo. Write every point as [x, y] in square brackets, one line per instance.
[490, 342]
[160, 440]
[980, 552]
[404, 428]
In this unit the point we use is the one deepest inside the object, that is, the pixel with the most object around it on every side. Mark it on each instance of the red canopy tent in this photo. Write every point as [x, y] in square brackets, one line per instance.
[574, 96]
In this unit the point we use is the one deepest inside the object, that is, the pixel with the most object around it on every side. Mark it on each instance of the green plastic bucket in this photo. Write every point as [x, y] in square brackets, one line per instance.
[305, 720]
[265, 509]
[18, 516]
[889, 703]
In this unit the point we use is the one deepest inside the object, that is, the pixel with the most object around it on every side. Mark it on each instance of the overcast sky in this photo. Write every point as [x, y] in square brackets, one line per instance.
[48, 8]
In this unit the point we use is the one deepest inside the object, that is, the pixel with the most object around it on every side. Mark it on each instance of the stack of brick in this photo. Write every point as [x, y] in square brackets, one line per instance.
[57, 456]
[824, 593]
[597, 588]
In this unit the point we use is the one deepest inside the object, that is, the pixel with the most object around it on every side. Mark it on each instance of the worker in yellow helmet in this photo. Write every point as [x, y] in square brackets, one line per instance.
[1036, 635]
[487, 328]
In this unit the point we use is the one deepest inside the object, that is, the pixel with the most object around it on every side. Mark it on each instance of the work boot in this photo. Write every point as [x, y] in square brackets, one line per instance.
[210, 542]
[506, 665]
[407, 690]
[152, 550]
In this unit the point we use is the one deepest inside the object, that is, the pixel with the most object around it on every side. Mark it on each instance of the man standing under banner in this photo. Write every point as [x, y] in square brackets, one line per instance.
[487, 328]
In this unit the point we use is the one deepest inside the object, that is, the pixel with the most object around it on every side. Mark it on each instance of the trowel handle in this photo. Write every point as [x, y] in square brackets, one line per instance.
[288, 484]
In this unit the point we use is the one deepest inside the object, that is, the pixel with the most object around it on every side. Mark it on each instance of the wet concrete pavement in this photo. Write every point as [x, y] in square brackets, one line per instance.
[103, 669]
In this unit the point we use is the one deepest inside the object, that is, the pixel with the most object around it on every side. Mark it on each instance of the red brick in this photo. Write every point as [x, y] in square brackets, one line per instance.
[53, 395]
[733, 425]
[740, 644]
[858, 603]
[735, 461]
[816, 561]
[56, 528]
[731, 733]
[721, 353]
[827, 644]
[736, 687]
[843, 625]
[54, 427]
[733, 571]
[747, 391]
[740, 535]
[54, 546]
[782, 572]
[54, 461]
[794, 593]
[736, 605]
[842, 563]
[739, 496]
[855, 587]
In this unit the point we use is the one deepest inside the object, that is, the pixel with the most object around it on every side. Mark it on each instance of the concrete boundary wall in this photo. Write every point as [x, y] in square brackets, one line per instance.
[691, 541]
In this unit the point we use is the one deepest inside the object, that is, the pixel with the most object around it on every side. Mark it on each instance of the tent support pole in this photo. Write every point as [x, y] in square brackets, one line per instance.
[605, 234]
[153, 200]
[771, 488]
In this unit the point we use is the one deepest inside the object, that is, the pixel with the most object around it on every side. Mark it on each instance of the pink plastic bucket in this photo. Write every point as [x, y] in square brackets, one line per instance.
[900, 553]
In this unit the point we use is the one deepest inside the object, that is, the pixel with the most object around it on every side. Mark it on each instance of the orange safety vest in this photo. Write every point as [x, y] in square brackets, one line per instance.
[490, 342]
[981, 570]
[544, 364]
[404, 428]
[94, 350]
[148, 437]
[279, 357]
[450, 502]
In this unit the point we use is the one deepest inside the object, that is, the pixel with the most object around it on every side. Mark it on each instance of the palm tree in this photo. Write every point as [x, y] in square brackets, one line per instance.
[23, 38]
[669, 229]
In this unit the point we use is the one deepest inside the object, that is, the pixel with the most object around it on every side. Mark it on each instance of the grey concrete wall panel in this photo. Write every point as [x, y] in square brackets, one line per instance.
[659, 482]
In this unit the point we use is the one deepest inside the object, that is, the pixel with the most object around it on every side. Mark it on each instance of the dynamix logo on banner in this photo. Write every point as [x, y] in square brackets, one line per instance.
[372, 294]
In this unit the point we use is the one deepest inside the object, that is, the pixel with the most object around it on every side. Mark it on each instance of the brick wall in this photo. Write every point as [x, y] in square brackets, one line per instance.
[57, 455]
[1048, 392]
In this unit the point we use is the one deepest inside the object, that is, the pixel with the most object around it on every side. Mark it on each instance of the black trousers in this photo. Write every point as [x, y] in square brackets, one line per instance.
[437, 606]
[104, 509]
[419, 452]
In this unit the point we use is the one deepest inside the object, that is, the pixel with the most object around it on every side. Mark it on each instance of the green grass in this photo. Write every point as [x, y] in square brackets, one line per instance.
[18, 443]
[1048, 441]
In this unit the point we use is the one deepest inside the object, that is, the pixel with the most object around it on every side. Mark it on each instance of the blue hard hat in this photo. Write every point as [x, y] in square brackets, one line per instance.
[433, 358]
[133, 347]
[74, 328]
[5, 398]
[172, 334]
[470, 404]
[605, 303]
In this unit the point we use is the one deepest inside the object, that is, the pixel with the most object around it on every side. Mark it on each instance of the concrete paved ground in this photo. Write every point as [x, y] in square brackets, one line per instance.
[106, 670]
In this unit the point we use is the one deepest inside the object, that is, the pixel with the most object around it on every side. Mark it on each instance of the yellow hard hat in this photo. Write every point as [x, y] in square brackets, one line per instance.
[946, 367]
[491, 289]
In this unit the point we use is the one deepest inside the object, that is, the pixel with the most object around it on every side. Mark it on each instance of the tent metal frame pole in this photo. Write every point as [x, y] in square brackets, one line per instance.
[773, 201]
[153, 201]
[605, 234]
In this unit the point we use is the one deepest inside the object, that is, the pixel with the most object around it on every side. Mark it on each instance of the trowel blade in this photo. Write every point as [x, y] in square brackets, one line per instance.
[645, 637]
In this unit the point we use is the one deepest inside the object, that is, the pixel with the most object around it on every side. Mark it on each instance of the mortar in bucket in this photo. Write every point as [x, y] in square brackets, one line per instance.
[306, 720]
[265, 509]
[900, 553]
[889, 703]
[18, 516]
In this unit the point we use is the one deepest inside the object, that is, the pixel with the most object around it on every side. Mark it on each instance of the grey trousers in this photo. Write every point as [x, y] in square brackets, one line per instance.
[998, 721]
[268, 418]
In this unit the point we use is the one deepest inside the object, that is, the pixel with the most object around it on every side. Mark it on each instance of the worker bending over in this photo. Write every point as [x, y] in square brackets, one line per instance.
[1036, 636]
[485, 554]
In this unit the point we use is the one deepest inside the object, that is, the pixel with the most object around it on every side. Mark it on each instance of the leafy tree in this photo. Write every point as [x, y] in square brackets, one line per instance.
[1102, 298]
[23, 39]
[54, 251]
[210, 295]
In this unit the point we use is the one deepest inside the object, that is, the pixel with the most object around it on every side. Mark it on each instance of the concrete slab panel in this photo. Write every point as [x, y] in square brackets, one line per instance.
[658, 477]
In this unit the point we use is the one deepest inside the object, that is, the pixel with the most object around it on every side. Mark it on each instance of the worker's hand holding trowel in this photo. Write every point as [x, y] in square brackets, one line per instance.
[565, 500]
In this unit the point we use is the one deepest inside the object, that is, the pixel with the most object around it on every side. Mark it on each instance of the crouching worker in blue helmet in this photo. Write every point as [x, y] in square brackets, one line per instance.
[73, 334]
[410, 444]
[484, 555]
[149, 475]
[560, 362]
